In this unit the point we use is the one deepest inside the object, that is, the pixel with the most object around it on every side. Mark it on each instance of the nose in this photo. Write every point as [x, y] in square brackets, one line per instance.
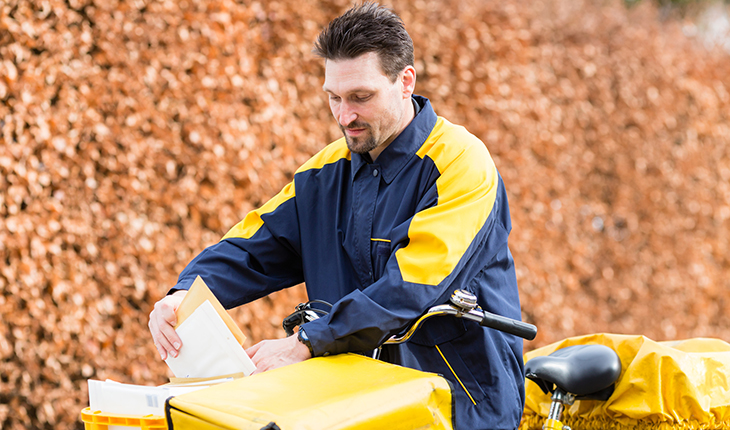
[345, 114]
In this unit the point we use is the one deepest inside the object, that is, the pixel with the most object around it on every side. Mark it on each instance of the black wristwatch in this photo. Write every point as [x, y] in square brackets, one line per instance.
[303, 338]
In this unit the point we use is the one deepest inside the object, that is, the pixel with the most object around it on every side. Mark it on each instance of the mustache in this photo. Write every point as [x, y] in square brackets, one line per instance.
[355, 125]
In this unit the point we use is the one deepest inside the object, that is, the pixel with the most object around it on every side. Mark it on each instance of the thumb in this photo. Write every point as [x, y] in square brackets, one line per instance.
[253, 350]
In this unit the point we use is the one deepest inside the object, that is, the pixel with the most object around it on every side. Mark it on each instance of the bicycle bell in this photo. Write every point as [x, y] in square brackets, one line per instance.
[464, 300]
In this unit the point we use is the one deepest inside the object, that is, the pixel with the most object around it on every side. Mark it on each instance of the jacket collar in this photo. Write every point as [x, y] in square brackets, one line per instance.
[395, 156]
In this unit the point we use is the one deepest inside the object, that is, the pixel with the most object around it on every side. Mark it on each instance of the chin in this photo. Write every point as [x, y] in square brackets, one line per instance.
[360, 148]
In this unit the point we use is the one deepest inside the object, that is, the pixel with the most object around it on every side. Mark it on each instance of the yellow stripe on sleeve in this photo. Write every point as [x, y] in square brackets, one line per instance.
[467, 189]
[331, 153]
[253, 222]
[246, 228]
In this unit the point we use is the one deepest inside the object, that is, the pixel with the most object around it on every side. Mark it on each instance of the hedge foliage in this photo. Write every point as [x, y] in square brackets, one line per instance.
[134, 133]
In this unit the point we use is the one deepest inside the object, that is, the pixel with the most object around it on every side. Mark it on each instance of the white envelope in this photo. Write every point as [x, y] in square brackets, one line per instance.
[117, 398]
[127, 399]
[209, 348]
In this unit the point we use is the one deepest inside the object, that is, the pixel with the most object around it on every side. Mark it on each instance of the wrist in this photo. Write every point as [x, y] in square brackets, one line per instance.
[304, 339]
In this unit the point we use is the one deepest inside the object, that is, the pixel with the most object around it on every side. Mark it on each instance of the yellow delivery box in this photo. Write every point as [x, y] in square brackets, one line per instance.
[342, 392]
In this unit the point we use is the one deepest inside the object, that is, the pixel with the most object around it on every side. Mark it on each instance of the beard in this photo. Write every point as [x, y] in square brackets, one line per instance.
[360, 144]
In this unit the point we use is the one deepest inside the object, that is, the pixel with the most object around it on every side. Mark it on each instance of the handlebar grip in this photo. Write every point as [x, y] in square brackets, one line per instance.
[508, 325]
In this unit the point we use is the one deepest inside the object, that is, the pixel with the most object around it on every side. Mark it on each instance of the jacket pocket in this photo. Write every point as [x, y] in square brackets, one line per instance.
[459, 373]
[379, 252]
[445, 338]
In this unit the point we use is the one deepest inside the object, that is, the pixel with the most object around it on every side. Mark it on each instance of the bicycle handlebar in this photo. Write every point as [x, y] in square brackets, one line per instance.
[508, 325]
[463, 305]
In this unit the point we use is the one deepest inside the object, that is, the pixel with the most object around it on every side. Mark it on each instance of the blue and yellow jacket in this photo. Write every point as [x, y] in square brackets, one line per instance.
[384, 241]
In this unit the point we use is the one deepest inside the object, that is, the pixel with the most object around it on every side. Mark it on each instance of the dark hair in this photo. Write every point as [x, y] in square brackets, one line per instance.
[364, 29]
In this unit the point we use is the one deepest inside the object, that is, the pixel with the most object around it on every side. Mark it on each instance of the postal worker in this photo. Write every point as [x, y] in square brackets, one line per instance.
[384, 223]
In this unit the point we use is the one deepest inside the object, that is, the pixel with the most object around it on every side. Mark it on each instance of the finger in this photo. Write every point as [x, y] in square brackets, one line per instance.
[167, 326]
[167, 310]
[260, 356]
[262, 366]
[172, 339]
[153, 331]
[161, 351]
[166, 347]
[162, 344]
[166, 339]
[253, 350]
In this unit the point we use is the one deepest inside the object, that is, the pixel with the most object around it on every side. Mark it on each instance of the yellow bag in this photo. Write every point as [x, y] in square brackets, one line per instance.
[663, 385]
[340, 392]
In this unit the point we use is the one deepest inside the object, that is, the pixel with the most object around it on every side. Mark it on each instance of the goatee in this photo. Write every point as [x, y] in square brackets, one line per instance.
[360, 144]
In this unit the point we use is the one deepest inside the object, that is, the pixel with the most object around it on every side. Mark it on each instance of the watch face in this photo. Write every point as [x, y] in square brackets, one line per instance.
[303, 338]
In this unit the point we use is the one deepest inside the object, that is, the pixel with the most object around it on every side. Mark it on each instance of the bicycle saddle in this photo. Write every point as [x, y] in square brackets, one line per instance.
[586, 371]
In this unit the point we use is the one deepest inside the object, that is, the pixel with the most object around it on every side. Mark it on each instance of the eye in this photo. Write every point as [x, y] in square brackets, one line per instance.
[334, 98]
[362, 97]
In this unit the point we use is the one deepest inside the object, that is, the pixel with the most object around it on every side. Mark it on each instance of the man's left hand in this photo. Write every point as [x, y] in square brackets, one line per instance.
[270, 354]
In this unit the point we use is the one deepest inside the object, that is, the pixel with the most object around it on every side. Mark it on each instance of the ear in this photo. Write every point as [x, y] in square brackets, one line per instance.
[408, 81]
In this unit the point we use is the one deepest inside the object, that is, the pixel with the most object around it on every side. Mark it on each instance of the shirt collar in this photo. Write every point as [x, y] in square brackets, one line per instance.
[395, 156]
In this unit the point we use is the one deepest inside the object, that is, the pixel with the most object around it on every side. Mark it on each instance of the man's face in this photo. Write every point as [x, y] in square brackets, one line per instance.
[369, 108]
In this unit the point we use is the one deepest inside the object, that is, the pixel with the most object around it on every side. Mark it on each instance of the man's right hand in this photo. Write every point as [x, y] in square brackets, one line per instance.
[162, 324]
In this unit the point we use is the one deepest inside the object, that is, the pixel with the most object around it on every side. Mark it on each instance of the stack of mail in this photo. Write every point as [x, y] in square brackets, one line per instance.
[127, 399]
[211, 353]
[211, 339]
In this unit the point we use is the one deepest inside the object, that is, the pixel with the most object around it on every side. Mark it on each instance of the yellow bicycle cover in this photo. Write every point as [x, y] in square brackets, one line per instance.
[663, 385]
[339, 392]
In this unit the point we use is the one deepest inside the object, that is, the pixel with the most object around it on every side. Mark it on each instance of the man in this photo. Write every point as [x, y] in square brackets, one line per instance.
[384, 223]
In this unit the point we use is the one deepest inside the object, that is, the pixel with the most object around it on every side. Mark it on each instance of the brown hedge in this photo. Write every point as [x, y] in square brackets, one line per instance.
[134, 133]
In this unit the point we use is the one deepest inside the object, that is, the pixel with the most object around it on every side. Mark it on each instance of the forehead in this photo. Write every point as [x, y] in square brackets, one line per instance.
[353, 74]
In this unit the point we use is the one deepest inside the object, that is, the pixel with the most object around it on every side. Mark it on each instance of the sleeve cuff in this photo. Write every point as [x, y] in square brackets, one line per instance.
[320, 337]
[182, 284]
